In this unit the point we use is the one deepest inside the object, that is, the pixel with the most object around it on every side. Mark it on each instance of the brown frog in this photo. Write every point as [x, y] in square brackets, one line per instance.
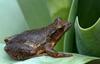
[35, 42]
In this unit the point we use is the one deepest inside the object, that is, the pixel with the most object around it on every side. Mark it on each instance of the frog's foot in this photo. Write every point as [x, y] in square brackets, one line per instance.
[57, 54]
[49, 50]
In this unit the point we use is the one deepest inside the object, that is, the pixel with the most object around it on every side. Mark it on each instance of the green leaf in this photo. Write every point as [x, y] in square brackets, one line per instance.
[88, 12]
[88, 39]
[87, 27]
[59, 8]
[69, 38]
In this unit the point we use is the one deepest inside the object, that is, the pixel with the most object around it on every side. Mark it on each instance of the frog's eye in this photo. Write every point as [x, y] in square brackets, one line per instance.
[57, 33]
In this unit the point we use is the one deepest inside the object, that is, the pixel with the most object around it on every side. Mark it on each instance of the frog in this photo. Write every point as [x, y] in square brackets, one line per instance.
[36, 42]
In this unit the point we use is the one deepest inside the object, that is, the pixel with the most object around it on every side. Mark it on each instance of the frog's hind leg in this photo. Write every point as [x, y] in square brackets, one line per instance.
[55, 54]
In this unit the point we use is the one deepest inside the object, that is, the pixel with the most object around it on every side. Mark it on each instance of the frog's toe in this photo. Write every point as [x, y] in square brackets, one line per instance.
[60, 55]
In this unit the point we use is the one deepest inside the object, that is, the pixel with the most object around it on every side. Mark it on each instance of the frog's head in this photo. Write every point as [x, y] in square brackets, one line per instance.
[57, 29]
[58, 25]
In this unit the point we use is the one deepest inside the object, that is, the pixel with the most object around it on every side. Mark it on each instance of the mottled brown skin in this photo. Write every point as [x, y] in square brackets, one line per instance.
[35, 42]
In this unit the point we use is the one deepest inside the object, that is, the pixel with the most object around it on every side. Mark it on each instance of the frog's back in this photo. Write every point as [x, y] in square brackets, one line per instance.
[31, 36]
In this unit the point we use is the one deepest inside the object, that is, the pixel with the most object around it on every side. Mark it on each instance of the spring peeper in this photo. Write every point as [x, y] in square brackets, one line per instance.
[35, 42]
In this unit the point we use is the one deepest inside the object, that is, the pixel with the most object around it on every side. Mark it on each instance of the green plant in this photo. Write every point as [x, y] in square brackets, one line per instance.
[39, 13]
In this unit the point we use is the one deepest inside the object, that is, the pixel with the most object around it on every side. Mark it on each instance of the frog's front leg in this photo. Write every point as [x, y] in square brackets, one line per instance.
[50, 51]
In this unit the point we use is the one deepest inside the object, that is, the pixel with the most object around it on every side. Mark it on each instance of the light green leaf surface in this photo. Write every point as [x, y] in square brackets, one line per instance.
[75, 59]
[12, 20]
